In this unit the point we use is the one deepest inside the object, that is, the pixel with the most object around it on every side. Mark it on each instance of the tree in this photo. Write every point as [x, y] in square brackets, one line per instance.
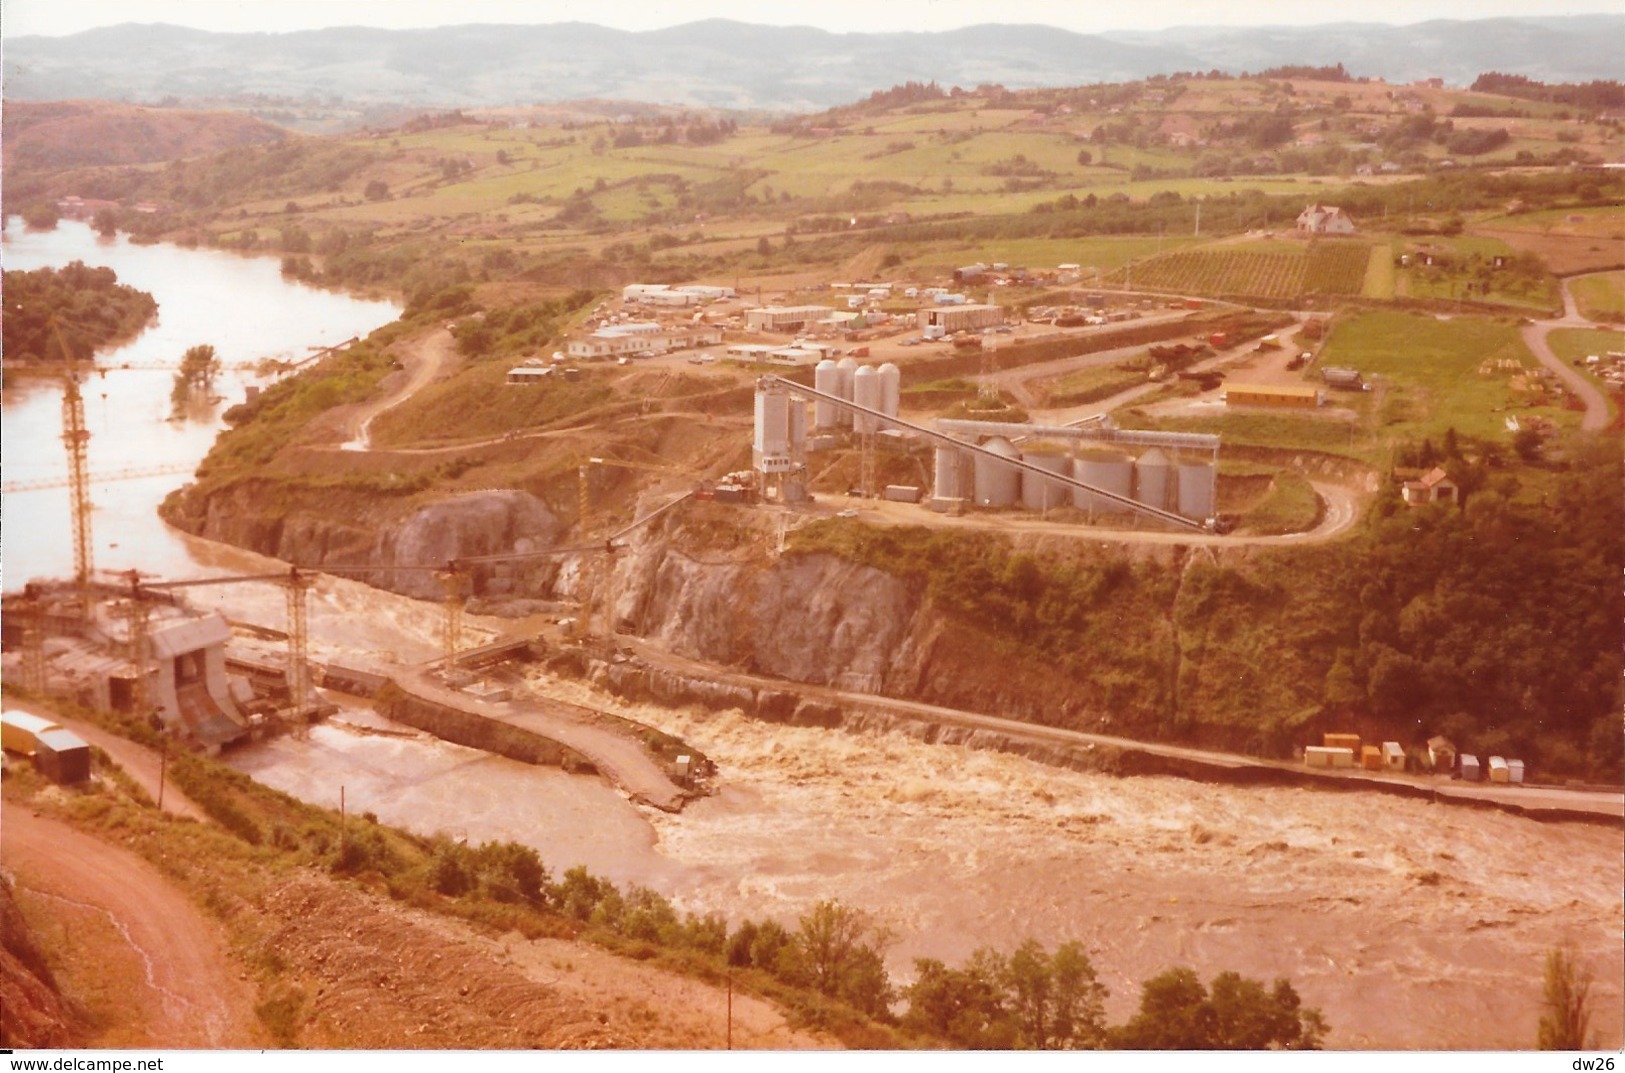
[1566, 1004]
[1085, 158]
[199, 367]
[840, 950]
[105, 222]
[375, 190]
[1178, 1013]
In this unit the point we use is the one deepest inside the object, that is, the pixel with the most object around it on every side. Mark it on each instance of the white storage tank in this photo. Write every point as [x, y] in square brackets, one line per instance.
[772, 424]
[891, 382]
[867, 390]
[848, 370]
[1107, 471]
[997, 485]
[1038, 493]
[826, 378]
[950, 465]
[1196, 489]
[1153, 476]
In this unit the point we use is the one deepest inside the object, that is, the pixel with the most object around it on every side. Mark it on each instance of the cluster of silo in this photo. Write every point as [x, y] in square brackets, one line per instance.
[1040, 493]
[878, 388]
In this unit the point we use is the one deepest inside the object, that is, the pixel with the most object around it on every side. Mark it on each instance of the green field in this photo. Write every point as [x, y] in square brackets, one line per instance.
[1431, 374]
[1600, 297]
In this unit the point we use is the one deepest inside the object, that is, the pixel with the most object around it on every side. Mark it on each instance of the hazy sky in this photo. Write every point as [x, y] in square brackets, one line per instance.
[57, 17]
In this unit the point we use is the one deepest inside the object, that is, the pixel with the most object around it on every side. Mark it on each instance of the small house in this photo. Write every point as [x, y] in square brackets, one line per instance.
[1470, 771]
[1320, 219]
[1393, 756]
[1441, 753]
[1435, 486]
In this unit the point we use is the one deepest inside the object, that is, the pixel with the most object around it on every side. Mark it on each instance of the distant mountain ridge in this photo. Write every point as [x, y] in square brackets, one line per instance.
[725, 64]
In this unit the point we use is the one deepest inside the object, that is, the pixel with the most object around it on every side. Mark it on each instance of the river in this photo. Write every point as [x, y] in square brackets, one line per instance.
[1409, 924]
[239, 305]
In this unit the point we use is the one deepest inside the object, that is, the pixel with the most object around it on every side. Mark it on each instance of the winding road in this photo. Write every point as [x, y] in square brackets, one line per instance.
[1535, 338]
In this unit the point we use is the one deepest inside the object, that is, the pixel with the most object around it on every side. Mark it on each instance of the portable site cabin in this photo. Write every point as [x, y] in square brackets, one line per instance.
[1393, 756]
[1515, 772]
[20, 731]
[1469, 768]
[1350, 742]
[1498, 770]
[1320, 756]
[1371, 758]
[62, 756]
[1441, 753]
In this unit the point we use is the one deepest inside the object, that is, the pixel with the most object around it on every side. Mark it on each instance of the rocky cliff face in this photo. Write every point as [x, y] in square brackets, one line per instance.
[333, 528]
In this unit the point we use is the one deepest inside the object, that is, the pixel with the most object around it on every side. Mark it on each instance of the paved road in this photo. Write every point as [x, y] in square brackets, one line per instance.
[1535, 337]
[180, 990]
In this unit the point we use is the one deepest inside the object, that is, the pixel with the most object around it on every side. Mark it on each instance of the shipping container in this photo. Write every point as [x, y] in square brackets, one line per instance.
[901, 493]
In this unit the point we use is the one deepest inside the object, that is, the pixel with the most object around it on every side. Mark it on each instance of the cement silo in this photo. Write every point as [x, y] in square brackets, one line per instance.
[1196, 489]
[867, 390]
[891, 381]
[826, 378]
[997, 485]
[848, 370]
[1153, 479]
[772, 425]
[1038, 493]
[950, 467]
[1107, 471]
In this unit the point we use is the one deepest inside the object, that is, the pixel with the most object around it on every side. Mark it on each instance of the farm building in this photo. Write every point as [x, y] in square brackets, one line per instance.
[1434, 487]
[784, 318]
[1320, 219]
[1278, 397]
[961, 318]
[529, 374]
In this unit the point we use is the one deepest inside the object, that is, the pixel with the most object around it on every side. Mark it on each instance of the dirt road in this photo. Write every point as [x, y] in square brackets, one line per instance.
[140, 763]
[424, 358]
[160, 964]
[1535, 338]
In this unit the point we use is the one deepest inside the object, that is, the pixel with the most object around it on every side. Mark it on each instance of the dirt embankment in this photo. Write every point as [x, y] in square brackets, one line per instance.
[375, 974]
[32, 1011]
